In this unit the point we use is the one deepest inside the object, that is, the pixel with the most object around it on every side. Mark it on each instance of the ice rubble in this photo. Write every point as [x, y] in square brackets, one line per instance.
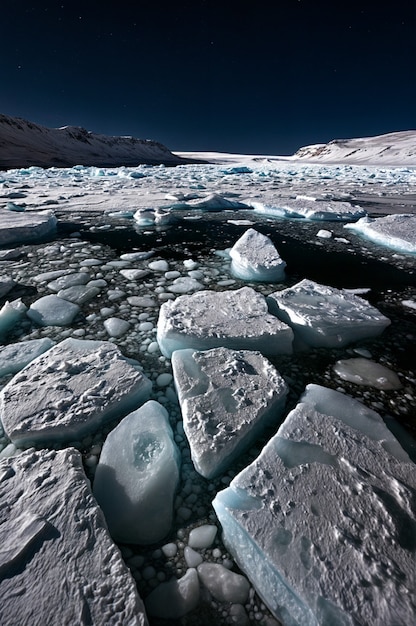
[57, 560]
[137, 476]
[232, 319]
[69, 391]
[323, 316]
[24, 227]
[227, 397]
[255, 258]
[323, 521]
[394, 231]
[310, 209]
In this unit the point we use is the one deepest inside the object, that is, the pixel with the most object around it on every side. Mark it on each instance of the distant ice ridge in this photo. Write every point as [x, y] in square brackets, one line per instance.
[303, 521]
[394, 231]
[227, 397]
[255, 258]
[323, 316]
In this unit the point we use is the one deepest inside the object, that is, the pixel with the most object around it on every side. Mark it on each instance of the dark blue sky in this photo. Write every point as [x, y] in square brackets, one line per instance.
[255, 77]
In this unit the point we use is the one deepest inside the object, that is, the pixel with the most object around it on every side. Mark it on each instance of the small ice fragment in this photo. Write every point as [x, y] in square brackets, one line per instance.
[202, 536]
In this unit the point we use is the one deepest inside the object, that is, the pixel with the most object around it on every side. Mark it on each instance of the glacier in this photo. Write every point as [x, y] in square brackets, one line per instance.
[304, 521]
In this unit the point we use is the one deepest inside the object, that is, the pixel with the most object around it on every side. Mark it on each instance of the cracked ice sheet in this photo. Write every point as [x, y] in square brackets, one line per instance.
[323, 521]
[57, 560]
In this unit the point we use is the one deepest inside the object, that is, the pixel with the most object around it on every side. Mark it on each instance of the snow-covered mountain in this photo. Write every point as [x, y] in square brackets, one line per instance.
[391, 149]
[24, 143]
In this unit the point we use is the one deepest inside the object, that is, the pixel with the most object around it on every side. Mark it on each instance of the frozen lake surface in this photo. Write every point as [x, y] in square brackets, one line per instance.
[128, 240]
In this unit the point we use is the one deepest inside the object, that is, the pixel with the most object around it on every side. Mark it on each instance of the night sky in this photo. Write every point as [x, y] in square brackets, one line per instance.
[252, 77]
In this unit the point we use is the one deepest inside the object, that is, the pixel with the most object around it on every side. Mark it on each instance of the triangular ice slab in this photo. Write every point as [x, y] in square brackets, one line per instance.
[255, 258]
[227, 397]
[323, 522]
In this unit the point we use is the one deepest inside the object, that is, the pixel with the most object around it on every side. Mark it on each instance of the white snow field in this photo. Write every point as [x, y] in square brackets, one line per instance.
[58, 564]
[325, 316]
[138, 475]
[126, 277]
[308, 520]
[233, 319]
[226, 398]
[255, 258]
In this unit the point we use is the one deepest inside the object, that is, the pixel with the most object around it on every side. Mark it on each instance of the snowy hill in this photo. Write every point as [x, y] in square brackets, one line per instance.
[391, 149]
[23, 144]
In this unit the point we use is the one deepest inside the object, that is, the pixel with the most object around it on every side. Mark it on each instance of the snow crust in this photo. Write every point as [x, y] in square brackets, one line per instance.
[69, 391]
[255, 258]
[227, 397]
[394, 231]
[323, 316]
[233, 319]
[137, 476]
[304, 520]
[57, 560]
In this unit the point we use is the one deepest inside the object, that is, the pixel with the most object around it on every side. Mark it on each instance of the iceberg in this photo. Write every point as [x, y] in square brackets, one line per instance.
[323, 316]
[227, 398]
[393, 231]
[70, 391]
[58, 563]
[323, 521]
[137, 476]
[255, 258]
[329, 210]
[233, 319]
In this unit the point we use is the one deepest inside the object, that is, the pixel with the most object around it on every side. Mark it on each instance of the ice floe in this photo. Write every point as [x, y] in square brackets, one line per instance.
[70, 391]
[23, 227]
[323, 521]
[53, 311]
[227, 397]
[323, 316]
[255, 258]
[310, 209]
[394, 231]
[10, 314]
[211, 202]
[137, 476]
[233, 319]
[366, 372]
[58, 563]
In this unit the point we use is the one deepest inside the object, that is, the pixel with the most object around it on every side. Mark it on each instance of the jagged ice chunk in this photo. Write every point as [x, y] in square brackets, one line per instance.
[255, 258]
[137, 476]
